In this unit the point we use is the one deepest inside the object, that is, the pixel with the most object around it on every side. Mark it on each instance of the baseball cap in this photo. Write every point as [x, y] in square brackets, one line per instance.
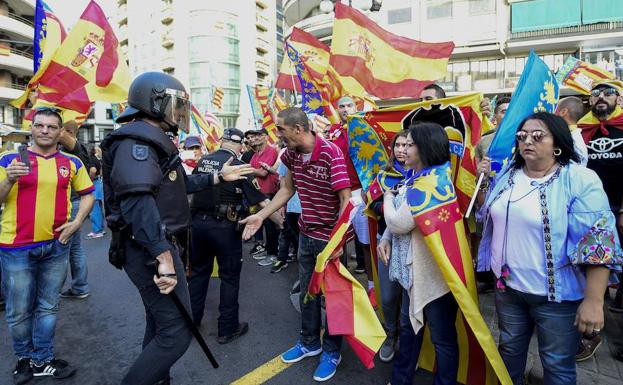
[255, 132]
[233, 134]
[612, 83]
[192, 141]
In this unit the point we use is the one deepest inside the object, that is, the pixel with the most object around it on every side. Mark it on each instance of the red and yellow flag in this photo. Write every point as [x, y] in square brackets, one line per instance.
[580, 75]
[268, 123]
[436, 212]
[385, 64]
[210, 133]
[349, 312]
[217, 98]
[87, 67]
[459, 115]
[312, 52]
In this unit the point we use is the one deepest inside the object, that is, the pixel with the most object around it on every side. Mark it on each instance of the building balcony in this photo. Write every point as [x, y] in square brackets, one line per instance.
[16, 25]
[10, 91]
[296, 10]
[17, 62]
[261, 22]
[320, 26]
[22, 7]
[123, 10]
[262, 45]
[167, 39]
[261, 3]
[168, 63]
[166, 14]
[262, 67]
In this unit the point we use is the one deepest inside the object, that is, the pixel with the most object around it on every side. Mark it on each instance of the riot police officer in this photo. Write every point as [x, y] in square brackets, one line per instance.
[145, 190]
[215, 232]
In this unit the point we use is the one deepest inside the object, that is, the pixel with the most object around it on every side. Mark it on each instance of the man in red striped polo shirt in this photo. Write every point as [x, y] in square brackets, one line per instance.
[317, 171]
[34, 248]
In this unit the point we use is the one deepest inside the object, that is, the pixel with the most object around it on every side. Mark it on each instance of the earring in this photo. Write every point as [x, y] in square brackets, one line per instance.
[557, 152]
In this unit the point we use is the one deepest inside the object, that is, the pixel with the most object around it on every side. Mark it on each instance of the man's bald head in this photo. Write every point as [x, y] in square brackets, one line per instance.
[571, 109]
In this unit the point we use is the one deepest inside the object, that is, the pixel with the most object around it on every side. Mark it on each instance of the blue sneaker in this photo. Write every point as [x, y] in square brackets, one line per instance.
[327, 366]
[300, 351]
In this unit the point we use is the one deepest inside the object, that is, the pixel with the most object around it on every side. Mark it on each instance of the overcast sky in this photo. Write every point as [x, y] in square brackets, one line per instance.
[70, 10]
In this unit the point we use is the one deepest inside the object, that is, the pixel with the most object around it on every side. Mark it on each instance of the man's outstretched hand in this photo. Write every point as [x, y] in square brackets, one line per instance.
[252, 224]
[232, 173]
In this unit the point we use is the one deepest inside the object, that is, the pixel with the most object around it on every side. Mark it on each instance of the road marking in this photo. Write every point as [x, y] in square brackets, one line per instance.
[263, 373]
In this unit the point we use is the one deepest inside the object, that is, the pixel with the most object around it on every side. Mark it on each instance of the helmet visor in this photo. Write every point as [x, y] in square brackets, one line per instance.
[178, 111]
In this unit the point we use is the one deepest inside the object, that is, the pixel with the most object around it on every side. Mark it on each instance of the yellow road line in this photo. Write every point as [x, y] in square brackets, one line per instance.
[263, 373]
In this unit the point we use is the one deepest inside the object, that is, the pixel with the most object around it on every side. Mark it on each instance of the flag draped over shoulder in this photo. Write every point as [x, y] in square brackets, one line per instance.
[349, 312]
[88, 66]
[313, 52]
[385, 64]
[537, 90]
[459, 115]
[434, 206]
[268, 123]
[49, 34]
[589, 124]
[580, 75]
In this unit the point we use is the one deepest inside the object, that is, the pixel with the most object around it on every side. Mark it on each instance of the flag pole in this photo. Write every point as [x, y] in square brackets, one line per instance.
[473, 200]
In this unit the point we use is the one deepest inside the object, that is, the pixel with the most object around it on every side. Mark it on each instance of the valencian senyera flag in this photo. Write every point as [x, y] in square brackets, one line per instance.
[209, 133]
[349, 312]
[580, 75]
[537, 90]
[268, 123]
[434, 206]
[385, 64]
[87, 67]
[312, 51]
[370, 135]
[49, 34]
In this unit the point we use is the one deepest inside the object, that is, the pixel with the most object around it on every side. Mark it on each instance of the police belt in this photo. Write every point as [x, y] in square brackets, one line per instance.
[231, 212]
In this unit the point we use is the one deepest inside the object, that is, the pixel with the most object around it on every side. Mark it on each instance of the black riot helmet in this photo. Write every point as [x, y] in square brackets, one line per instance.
[158, 96]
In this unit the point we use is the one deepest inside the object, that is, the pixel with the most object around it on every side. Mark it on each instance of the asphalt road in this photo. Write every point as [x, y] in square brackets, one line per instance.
[101, 335]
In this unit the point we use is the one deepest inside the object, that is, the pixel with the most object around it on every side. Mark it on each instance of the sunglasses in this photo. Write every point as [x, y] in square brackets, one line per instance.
[606, 91]
[536, 135]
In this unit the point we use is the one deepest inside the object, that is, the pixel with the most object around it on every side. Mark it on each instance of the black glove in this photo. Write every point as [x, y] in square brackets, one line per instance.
[116, 253]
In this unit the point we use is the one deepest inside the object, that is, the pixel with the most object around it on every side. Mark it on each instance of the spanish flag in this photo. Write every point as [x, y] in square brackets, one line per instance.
[268, 123]
[312, 51]
[386, 65]
[580, 75]
[459, 115]
[435, 210]
[88, 66]
[349, 312]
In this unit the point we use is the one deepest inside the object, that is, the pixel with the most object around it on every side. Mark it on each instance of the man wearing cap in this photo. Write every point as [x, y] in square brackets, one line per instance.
[191, 144]
[269, 184]
[602, 130]
[215, 213]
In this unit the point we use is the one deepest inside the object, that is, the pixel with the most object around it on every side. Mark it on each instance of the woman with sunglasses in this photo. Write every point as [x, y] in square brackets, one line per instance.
[549, 236]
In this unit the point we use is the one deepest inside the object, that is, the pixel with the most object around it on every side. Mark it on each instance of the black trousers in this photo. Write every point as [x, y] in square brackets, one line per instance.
[166, 334]
[218, 238]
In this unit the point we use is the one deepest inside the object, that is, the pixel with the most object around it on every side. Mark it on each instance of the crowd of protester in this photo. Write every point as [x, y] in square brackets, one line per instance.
[539, 222]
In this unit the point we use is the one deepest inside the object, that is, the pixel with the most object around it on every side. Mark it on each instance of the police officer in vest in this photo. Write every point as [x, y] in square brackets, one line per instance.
[145, 190]
[215, 232]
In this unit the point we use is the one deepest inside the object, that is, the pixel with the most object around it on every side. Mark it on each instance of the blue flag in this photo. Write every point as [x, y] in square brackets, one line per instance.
[312, 101]
[536, 91]
[40, 33]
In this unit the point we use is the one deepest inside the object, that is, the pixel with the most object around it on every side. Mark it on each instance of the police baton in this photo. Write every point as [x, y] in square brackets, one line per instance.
[189, 322]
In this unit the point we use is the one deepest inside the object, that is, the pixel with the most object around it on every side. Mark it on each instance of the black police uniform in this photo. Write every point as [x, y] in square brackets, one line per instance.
[215, 213]
[144, 208]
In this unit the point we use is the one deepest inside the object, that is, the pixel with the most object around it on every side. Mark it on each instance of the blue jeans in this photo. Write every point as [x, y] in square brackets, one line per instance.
[97, 213]
[518, 314]
[440, 316]
[31, 281]
[309, 248]
[77, 258]
[390, 299]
